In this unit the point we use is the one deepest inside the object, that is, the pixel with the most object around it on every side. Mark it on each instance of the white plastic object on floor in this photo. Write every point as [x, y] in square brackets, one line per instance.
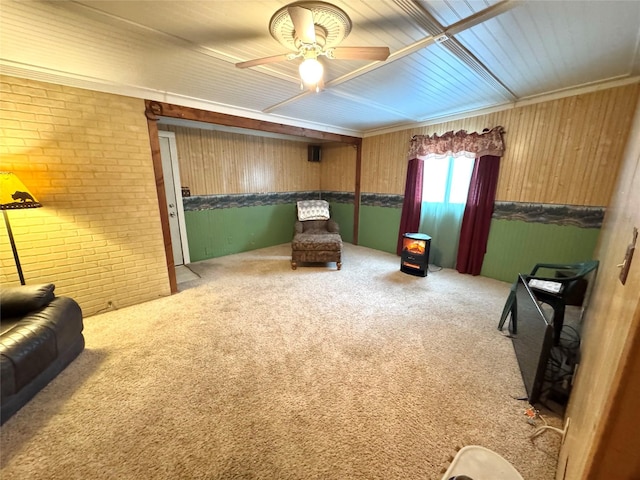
[479, 463]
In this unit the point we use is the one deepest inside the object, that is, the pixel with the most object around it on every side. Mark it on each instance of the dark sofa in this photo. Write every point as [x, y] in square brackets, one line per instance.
[40, 335]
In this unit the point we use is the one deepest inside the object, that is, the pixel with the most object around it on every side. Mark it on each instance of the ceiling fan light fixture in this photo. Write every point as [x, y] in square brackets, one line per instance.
[311, 71]
[311, 29]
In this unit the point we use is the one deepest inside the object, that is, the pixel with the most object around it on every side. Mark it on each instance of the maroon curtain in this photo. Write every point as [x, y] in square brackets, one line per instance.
[474, 231]
[412, 204]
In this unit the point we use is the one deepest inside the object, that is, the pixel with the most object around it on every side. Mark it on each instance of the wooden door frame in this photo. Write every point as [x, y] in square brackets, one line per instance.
[154, 110]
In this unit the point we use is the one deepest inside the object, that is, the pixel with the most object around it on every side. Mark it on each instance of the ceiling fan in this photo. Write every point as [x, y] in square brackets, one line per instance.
[311, 30]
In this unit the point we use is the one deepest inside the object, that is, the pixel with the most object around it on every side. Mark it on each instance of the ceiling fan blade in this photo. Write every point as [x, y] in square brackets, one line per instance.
[261, 61]
[302, 19]
[358, 53]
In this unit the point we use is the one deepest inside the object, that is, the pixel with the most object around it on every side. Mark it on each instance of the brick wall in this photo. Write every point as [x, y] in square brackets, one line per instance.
[86, 157]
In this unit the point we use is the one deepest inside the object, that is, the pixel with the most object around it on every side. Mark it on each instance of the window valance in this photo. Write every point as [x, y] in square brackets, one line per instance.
[486, 143]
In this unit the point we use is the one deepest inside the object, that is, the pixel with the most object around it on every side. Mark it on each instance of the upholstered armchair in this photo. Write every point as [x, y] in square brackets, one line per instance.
[316, 236]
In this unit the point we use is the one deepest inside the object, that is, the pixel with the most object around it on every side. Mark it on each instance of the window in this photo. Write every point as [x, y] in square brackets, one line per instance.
[444, 196]
[446, 180]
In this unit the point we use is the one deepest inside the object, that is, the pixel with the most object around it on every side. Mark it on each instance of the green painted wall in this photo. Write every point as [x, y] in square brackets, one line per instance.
[516, 246]
[379, 227]
[223, 231]
[343, 214]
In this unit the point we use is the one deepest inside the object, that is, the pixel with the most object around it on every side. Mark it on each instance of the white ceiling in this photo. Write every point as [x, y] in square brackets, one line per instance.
[184, 52]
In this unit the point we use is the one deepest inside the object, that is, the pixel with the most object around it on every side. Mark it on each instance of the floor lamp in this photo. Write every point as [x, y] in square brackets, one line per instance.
[14, 195]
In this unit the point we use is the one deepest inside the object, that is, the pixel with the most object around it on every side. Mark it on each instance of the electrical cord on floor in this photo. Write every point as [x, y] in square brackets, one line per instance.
[110, 306]
[561, 431]
[533, 414]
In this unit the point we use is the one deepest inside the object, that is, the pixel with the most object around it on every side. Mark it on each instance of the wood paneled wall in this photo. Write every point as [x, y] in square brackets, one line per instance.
[338, 168]
[602, 441]
[215, 162]
[384, 162]
[564, 151]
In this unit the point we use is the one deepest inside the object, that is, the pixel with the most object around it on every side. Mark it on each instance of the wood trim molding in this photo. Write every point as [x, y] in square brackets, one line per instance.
[154, 140]
[356, 194]
[197, 115]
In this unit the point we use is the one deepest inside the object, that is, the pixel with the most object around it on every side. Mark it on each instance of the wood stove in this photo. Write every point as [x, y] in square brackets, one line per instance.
[414, 258]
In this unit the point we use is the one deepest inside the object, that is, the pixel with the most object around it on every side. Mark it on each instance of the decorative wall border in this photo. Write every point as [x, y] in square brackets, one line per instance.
[574, 215]
[338, 197]
[381, 200]
[214, 202]
[568, 215]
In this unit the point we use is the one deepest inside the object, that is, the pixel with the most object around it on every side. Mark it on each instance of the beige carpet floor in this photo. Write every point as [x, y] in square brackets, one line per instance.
[256, 371]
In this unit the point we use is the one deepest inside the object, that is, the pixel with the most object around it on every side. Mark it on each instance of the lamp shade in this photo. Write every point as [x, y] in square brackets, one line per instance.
[13, 193]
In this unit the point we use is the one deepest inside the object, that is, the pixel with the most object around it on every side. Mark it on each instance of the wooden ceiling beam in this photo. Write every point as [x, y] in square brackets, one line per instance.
[155, 110]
